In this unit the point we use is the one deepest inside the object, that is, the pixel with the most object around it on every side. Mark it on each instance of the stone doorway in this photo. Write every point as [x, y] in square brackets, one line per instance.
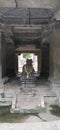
[42, 56]
[21, 55]
[25, 40]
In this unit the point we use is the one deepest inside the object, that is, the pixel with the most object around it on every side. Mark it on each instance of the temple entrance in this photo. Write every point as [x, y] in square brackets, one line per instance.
[26, 43]
[40, 58]
[21, 57]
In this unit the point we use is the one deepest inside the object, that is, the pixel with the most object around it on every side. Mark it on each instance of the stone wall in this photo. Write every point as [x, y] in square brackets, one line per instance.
[7, 3]
[38, 3]
[30, 3]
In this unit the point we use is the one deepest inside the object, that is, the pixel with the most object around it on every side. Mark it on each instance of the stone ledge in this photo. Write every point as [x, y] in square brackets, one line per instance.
[28, 111]
[51, 98]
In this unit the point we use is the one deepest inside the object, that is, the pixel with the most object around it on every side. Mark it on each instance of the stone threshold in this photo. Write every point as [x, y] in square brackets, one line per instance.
[28, 111]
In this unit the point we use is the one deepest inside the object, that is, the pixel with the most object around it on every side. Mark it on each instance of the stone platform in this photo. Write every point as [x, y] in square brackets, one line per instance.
[28, 100]
[33, 97]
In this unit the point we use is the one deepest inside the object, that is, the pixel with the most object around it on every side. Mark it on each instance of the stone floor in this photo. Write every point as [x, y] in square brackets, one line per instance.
[29, 96]
[32, 126]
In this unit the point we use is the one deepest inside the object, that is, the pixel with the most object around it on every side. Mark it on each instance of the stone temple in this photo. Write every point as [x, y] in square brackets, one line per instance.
[30, 27]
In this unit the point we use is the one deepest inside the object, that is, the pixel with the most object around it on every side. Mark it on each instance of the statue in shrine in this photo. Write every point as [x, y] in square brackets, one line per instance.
[28, 72]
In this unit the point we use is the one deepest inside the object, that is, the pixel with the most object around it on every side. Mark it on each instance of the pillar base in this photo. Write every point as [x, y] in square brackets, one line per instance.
[55, 81]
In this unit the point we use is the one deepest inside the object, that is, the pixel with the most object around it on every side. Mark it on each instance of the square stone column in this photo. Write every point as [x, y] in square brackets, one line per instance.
[51, 65]
[55, 53]
[0, 54]
[1, 81]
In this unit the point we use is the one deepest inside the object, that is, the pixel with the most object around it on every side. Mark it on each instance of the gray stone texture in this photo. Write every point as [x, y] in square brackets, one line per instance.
[25, 15]
[7, 3]
[30, 3]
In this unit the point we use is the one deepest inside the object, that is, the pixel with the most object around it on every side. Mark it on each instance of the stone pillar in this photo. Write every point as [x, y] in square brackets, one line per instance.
[0, 54]
[3, 54]
[55, 55]
[1, 81]
[56, 51]
[51, 65]
[10, 56]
